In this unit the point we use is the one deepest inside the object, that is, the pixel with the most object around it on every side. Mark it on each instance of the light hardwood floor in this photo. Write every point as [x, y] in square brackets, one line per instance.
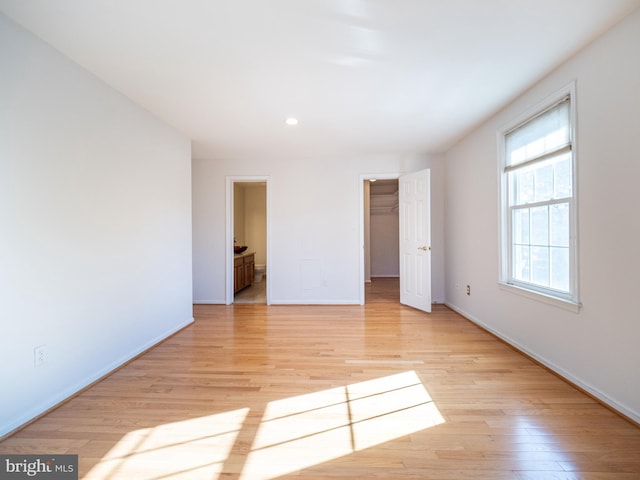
[380, 391]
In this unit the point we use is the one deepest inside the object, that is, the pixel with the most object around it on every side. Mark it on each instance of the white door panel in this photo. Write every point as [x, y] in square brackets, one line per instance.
[415, 240]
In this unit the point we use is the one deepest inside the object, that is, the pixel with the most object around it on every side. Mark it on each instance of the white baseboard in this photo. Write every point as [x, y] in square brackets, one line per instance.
[571, 378]
[315, 302]
[209, 302]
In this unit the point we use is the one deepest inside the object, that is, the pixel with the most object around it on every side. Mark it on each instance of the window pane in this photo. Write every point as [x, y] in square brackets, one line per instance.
[522, 186]
[521, 264]
[544, 182]
[540, 266]
[559, 235]
[540, 225]
[560, 268]
[521, 226]
[562, 174]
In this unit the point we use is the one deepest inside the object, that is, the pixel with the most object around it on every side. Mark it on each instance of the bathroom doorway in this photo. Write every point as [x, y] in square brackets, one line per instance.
[247, 239]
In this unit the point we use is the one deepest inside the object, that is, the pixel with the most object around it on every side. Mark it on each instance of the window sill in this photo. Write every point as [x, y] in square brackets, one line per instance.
[540, 297]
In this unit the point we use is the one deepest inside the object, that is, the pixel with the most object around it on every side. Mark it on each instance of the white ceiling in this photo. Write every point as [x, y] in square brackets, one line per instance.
[362, 76]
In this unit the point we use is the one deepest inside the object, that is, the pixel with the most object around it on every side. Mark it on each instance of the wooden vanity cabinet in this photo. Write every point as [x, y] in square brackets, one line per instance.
[243, 271]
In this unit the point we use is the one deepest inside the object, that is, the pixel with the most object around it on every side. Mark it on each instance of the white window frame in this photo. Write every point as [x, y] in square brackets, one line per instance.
[568, 301]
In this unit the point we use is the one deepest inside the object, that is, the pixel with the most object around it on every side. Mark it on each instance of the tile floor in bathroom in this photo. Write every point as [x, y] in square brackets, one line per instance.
[256, 293]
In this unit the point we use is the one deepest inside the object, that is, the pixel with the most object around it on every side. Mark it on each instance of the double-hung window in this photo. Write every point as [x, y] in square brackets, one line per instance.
[539, 201]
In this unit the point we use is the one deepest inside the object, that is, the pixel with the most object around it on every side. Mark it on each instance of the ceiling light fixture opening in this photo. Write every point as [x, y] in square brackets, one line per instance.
[291, 121]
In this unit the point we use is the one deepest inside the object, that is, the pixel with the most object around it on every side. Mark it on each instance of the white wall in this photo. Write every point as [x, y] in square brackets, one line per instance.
[598, 347]
[315, 231]
[256, 221]
[239, 236]
[385, 244]
[95, 240]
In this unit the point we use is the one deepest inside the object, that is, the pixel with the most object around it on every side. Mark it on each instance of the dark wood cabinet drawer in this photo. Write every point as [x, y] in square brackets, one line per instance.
[243, 271]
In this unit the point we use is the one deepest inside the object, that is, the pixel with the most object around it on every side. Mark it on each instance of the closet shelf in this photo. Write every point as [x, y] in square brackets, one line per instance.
[387, 209]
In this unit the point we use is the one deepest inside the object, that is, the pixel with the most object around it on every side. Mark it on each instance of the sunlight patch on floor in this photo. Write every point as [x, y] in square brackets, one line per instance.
[188, 449]
[299, 432]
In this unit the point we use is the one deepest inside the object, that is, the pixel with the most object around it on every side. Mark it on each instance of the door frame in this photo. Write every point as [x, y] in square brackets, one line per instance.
[231, 180]
[363, 178]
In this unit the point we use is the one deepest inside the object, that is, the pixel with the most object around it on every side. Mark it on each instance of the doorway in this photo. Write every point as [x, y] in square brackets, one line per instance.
[366, 204]
[247, 261]
[382, 257]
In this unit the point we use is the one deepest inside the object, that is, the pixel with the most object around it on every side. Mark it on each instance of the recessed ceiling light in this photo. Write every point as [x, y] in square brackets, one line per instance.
[291, 121]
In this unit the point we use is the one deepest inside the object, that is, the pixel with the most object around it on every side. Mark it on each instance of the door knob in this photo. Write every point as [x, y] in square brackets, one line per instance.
[425, 248]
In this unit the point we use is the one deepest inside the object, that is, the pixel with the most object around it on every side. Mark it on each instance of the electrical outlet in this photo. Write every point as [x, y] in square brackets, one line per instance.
[39, 355]
[468, 289]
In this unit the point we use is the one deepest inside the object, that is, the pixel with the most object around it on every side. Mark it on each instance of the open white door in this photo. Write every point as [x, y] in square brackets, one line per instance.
[415, 240]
